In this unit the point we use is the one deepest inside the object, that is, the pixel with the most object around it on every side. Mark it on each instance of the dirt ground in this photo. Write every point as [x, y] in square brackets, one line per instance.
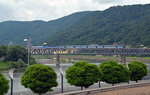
[130, 91]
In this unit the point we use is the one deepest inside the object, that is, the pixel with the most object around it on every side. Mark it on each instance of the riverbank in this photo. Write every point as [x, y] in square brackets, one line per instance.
[105, 58]
[94, 57]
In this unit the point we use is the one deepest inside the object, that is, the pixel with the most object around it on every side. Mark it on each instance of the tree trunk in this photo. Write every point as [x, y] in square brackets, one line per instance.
[81, 88]
[112, 84]
[136, 81]
[128, 82]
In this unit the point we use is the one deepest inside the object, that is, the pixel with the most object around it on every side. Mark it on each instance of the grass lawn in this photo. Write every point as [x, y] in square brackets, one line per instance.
[4, 66]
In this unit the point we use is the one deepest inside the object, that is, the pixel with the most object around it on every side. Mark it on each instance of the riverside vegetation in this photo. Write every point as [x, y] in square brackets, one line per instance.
[39, 77]
[14, 56]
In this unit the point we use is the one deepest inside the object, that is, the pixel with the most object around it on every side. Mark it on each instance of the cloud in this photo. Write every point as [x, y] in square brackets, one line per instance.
[51, 9]
[5, 12]
[108, 1]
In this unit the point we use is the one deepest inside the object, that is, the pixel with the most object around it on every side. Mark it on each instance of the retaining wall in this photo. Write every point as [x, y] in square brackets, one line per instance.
[104, 89]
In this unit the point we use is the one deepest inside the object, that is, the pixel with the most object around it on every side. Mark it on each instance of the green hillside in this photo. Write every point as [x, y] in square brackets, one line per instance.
[38, 31]
[129, 25]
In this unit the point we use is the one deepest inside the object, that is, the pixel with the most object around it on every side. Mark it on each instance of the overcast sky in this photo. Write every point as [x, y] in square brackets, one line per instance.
[28, 10]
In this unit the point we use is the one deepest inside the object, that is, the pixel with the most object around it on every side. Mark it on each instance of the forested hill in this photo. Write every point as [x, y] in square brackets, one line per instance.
[129, 25]
[38, 31]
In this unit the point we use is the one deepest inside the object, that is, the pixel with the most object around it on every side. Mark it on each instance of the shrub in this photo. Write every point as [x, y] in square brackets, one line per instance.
[39, 78]
[83, 74]
[114, 72]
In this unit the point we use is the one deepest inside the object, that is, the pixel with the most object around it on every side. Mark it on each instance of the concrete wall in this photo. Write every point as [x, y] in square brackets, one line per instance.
[104, 89]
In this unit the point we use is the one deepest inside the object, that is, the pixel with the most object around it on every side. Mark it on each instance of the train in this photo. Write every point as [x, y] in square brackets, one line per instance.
[82, 46]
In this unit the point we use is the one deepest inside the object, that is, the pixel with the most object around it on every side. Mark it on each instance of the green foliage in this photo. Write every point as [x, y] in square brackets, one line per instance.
[17, 64]
[39, 78]
[32, 60]
[16, 52]
[16, 31]
[3, 50]
[83, 74]
[4, 84]
[16, 57]
[116, 25]
[114, 72]
[138, 70]
[4, 66]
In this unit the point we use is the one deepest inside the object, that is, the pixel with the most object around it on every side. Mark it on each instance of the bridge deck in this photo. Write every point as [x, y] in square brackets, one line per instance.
[89, 51]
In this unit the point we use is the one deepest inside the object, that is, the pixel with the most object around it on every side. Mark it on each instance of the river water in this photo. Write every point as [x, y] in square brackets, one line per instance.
[19, 72]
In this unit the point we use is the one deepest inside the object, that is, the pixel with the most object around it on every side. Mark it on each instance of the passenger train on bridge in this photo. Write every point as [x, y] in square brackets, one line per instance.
[82, 46]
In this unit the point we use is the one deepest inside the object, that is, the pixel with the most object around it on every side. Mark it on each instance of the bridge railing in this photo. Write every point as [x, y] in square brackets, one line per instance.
[90, 51]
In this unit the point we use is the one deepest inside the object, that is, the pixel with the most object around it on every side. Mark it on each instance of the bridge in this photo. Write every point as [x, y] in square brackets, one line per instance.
[90, 51]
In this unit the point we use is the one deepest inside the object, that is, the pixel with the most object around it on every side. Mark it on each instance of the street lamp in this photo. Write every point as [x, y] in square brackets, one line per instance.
[44, 44]
[139, 53]
[141, 45]
[26, 40]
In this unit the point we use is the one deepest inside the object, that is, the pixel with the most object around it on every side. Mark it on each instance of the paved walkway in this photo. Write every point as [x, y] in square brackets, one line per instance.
[129, 91]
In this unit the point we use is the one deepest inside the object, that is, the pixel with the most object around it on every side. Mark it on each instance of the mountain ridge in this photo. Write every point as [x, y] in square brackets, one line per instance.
[128, 25]
[37, 30]
[116, 25]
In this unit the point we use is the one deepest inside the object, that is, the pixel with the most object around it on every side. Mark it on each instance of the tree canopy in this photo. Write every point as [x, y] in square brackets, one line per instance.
[114, 72]
[39, 78]
[4, 85]
[16, 52]
[83, 74]
[138, 70]
[3, 50]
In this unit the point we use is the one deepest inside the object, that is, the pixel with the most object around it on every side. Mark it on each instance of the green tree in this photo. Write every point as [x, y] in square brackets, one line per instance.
[16, 52]
[3, 50]
[17, 64]
[39, 78]
[114, 72]
[83, 74]
[4, 86]
[32, 61]
[138, 70]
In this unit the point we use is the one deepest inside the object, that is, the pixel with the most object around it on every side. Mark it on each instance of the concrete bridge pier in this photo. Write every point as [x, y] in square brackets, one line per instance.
[123, 59]
[57, 59]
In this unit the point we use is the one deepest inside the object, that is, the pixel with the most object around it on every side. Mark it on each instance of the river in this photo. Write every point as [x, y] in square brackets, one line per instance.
[18, 88]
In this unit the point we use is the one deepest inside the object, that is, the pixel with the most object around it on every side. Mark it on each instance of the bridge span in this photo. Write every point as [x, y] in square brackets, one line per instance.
[90, 51]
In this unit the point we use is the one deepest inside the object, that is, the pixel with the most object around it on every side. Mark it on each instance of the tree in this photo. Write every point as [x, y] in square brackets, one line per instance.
[16, 52]
[3, 50]
[114, 72]
[83, 74]
[138, 70]
[17, 64]
[32, 60]
[4, 86]
[39, 78]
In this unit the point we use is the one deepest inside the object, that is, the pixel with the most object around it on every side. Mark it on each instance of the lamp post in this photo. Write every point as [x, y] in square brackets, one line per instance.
[26, 40]
[44, 44]
[141, 46]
